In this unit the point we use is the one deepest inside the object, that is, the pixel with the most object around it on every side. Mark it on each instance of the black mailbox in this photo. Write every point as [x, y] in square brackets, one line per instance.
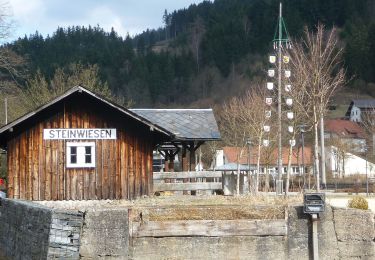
[314, 203]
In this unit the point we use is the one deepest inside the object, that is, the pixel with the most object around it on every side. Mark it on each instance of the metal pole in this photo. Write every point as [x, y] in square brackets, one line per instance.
[366, 172]
[280, 163]
[249, 164]
[314, 220]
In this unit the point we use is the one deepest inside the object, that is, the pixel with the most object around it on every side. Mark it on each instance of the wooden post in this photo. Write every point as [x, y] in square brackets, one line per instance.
[185, 166]
[192, 164]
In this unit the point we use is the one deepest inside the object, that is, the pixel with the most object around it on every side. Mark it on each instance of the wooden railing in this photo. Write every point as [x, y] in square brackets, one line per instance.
[173, 181]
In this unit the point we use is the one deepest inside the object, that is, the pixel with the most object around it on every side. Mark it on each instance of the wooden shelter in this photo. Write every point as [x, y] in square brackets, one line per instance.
[80, 147]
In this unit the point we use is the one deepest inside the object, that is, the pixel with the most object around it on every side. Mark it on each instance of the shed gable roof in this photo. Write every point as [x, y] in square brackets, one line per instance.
[80, 89]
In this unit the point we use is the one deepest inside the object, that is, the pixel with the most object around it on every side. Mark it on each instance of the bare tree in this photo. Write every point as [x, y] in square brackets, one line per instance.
[231, 126]
[243, 118]
[12, 66]
[341, 150]
[316, 61]
[257, 124]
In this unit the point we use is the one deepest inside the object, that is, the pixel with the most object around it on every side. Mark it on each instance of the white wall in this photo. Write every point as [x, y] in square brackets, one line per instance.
[355, 114]
[219, 158]
[352, 164]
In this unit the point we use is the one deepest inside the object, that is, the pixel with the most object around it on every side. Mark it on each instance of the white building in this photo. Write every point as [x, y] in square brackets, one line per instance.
[343, 164]
[359, 106]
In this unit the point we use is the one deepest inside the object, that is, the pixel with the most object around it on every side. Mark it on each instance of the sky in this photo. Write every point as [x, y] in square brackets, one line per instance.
[125, 16]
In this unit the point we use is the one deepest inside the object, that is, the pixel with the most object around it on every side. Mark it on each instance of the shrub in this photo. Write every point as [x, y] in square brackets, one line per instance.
[358, 202]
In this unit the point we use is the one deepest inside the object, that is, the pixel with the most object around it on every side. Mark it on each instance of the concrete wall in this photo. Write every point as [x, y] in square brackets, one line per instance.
[31, 231]
[105, 234]
[36, 232]
[342, 233]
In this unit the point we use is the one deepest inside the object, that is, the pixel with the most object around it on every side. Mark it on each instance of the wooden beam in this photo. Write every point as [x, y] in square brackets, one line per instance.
[187, 186]
[187, 174]
[210, 228]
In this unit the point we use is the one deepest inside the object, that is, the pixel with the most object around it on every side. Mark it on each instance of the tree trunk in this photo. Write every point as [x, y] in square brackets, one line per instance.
[238, 173]
[316, 156]
[267, 182]
[316, 150]
[322, 151]
[256, 188]
[288, 170]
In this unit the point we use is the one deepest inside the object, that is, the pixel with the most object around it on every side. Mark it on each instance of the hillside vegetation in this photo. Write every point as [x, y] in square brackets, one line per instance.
[205, 52]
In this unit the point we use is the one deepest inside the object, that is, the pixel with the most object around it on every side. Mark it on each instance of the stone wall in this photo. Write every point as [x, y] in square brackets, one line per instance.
[64, 236]
[24, 229]
[31, 231]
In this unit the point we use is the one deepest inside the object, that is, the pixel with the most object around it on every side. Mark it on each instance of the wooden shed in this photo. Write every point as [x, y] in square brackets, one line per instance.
[80, 147]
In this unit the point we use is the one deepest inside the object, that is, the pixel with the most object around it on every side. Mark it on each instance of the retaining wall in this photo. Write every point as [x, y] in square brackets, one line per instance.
[30, 231]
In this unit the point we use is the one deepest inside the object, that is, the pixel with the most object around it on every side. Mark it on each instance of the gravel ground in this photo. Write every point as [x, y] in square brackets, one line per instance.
[173, 201]
[336, 200]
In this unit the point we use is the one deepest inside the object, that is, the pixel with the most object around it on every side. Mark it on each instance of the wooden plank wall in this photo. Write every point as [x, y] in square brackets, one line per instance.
[36, 167]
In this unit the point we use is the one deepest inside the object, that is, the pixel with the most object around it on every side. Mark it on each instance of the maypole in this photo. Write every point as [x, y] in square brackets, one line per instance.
[281, 43]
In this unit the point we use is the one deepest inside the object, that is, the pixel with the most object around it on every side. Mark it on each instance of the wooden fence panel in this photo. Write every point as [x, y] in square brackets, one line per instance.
[187, 186]
[183, 175]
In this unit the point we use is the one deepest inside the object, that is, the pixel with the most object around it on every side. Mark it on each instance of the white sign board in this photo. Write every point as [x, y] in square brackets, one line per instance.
[79, 133]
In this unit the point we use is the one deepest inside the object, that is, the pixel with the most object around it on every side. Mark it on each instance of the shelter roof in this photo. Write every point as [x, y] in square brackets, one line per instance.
[185, 124]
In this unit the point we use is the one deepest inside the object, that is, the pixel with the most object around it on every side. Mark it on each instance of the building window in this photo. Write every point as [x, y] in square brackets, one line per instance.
[80, 154]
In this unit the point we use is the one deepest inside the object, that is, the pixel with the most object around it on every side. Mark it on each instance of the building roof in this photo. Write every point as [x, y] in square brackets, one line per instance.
[344, 128]
[362, 104]
[185, 124]
[81, 90]
[231, 153]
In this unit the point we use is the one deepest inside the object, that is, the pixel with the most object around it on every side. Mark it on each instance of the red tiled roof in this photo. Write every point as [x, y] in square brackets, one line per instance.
[344, 128]
[231, 153]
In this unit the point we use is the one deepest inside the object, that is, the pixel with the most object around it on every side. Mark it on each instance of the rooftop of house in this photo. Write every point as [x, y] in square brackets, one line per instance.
[185, 124]
[345, 128]
[362, 104]
[231, 153]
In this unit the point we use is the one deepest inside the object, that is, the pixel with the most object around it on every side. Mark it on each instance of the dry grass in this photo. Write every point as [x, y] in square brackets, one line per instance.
[164, 208]
[168, 208]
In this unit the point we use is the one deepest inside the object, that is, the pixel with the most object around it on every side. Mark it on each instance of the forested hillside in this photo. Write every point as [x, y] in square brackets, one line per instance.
[205, 52]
